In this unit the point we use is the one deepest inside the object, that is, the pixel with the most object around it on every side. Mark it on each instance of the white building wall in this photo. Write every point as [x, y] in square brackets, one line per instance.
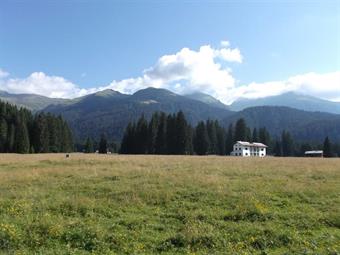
[248, 151]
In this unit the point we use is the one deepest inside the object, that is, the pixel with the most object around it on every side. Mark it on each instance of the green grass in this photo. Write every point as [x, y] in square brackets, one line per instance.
[168, 205]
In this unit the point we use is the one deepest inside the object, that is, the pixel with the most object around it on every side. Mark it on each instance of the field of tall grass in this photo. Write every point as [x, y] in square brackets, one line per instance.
[109, 204]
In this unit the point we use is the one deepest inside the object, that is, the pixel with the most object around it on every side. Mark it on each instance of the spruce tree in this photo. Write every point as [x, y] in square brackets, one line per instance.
[240, 130]
[88, 146]
[22, 142]
[102, 144]
[128, 141]
[201, 139]
[221, 138]
[181, 134]
[3, 134]
[189, 145]
[278, 149]
[264, 136]
[152, 133]
[141, 136]
[11, 139]
[211, 129]
[171, 135]
[229, 143]
[327, 148]
[255, 137]
[287, 144]
[160, 143]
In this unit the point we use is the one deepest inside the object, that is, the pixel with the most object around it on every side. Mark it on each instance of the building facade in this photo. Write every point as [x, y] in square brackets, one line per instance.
[246, 149]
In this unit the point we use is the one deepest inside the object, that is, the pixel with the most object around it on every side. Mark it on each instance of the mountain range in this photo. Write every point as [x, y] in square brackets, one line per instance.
[108, 111]
[290, 99]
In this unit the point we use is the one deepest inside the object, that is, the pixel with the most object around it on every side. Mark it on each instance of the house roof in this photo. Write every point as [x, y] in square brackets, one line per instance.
[252, 144]
[313, 152]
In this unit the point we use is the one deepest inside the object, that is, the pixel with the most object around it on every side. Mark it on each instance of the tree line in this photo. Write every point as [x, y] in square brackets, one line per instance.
[172, 134]
[23, 132]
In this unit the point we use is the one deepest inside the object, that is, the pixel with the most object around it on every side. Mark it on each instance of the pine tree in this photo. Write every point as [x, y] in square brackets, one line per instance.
[240, 130]
[3, 134]
[171, 135]
[128, 141]
[255, 137]
[54, 134]
[264, 136]
[278, 149]
[189, 145]
[287, 144]
[103, 144]
[221, 138]
[327, 148]
[201, 139]
[160, 143]
[22, 143]
[211, 129]
[66, 144]
[229, 143]
[11, 139]
[248, 134]
[89, 146]
[181, 134]
[152, 133]
[141, 136]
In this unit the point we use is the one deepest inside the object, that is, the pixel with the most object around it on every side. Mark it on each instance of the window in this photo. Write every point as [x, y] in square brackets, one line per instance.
[246, 154]
[261, 149]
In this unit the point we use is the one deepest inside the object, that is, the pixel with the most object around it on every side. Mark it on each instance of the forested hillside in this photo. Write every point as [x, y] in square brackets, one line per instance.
[31, 101]
[109, 112]
[173, 134]
[293, 100]
[303, 125]
[23, 132]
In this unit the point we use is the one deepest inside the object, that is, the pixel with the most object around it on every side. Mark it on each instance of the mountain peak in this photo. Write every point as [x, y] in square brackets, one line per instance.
[290, 99]
[107, 93]
[207, 99]
[153, 93]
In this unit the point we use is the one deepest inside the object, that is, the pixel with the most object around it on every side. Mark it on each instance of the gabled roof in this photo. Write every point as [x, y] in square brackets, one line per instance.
[313, 152]
[252, 144]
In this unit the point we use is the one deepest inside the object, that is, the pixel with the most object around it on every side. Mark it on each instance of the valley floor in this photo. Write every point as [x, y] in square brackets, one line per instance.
[110, 204]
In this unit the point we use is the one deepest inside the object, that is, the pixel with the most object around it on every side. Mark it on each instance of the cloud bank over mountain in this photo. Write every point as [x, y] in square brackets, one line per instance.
[207, 70]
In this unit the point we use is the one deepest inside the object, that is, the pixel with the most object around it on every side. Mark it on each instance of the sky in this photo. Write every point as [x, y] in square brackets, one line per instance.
[228, 49]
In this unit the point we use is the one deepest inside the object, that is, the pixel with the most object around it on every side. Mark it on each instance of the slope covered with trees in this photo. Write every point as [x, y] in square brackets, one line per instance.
[110, 112]
[173, 134]
[290, 99]
[304, 126]
[22, 132]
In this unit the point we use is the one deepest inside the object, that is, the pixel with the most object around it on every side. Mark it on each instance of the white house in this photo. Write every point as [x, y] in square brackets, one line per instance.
[246, 149]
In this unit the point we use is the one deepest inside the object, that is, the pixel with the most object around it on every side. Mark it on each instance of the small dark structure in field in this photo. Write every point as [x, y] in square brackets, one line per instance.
[314, 154]
[67, 155]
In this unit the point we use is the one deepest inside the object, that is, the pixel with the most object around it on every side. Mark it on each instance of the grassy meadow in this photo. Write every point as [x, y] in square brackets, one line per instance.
[109, 204]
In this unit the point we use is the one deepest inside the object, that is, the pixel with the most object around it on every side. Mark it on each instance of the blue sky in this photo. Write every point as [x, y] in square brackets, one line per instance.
[91, 43]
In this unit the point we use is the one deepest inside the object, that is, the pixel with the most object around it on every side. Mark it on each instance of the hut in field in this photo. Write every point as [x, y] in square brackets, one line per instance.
[314, 154]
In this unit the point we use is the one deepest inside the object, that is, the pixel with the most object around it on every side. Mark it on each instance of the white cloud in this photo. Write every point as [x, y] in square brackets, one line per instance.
[205, 70]
[225, 44]
[188, 71]
[42, 84]
[3, 73]
[326, 86]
